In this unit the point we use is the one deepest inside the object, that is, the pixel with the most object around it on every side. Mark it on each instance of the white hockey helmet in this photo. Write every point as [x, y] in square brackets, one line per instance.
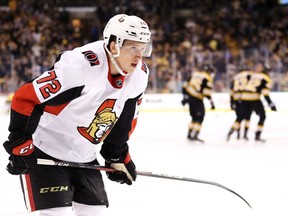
[125, 27]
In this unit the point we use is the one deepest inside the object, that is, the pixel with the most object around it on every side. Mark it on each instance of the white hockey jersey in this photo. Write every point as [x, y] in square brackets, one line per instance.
[78, 104]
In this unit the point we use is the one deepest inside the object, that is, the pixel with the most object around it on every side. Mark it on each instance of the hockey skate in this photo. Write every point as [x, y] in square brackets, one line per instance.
[238, 134]
[258, 138]
[189, 134]
[229, 134]
[245, 137]
[195, 137]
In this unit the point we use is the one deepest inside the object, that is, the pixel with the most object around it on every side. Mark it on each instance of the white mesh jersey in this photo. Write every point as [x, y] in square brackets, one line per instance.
[73, 107]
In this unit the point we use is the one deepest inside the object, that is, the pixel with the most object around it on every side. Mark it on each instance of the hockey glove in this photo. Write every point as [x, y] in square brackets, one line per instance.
[21, 156]
[212, 105]
[272, 107]
[126, 169]
[233, 104]
[184, 100]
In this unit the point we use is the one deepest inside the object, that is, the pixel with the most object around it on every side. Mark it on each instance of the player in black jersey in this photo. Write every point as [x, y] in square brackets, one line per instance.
[257, 83]
[194, 90]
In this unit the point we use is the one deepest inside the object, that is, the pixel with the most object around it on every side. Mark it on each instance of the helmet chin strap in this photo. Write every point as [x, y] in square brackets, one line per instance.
[112, 58]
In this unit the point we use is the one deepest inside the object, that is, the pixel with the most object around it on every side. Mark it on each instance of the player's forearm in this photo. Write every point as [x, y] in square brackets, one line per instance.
[268, 99]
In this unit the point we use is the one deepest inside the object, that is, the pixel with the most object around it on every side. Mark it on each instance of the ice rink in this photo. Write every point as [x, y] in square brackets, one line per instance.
[257, 171]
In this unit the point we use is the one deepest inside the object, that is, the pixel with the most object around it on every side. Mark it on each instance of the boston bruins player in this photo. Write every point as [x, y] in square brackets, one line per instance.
[257, 83]
[194, 90]
[88, 101]
[236, 88]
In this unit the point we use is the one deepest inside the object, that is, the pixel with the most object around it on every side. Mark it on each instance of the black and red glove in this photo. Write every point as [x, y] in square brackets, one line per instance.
[126, 169]
[21, 156]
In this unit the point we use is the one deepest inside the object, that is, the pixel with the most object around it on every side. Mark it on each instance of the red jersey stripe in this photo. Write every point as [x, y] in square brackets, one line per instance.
[25, 100]
[55, 110]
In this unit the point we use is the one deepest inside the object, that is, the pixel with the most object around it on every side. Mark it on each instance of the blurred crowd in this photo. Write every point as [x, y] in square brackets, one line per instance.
[186, 34]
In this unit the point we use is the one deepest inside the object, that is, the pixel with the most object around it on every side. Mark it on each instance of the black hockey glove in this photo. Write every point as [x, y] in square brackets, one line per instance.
[272, 107]
[212, 105]
[185, 99]
[233, 104]
[21, 156]
[126, 168]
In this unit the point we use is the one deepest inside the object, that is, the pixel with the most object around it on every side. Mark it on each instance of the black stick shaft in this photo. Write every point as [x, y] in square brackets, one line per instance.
[141, 173]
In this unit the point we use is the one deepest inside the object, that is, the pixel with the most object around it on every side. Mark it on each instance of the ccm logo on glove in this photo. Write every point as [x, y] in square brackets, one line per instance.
[24, 149]
[21, 158]
[21, 147]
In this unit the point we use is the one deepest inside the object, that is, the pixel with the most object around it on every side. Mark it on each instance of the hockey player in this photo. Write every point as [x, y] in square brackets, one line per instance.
[194, 90]
[257, 83]
[87, 101]
[236, 88]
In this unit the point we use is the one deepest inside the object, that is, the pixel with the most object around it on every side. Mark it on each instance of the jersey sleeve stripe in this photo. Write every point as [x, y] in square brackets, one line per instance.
[55, 110]
[25, 100]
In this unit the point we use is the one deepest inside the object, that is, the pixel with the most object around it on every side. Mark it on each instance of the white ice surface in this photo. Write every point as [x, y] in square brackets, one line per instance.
[256, 171]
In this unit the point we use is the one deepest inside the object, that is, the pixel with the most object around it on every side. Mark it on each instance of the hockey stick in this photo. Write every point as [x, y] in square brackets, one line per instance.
[141, 173]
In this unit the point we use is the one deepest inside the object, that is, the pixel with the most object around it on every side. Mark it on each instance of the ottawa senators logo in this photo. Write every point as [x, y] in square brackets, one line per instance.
[102, 123]
[91, 57]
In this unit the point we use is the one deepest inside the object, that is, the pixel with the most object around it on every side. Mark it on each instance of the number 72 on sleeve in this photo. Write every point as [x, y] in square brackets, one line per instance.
[51, 86]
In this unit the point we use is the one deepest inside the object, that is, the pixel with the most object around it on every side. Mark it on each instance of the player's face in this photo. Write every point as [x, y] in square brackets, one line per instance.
[130, 54]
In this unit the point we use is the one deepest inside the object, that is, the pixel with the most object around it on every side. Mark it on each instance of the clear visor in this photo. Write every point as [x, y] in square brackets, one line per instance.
[134, 50]
[148, 49]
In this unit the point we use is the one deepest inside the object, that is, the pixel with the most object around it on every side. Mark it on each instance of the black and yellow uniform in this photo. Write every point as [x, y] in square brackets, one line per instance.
[194, 90]
[255, 85]
[236, 88]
